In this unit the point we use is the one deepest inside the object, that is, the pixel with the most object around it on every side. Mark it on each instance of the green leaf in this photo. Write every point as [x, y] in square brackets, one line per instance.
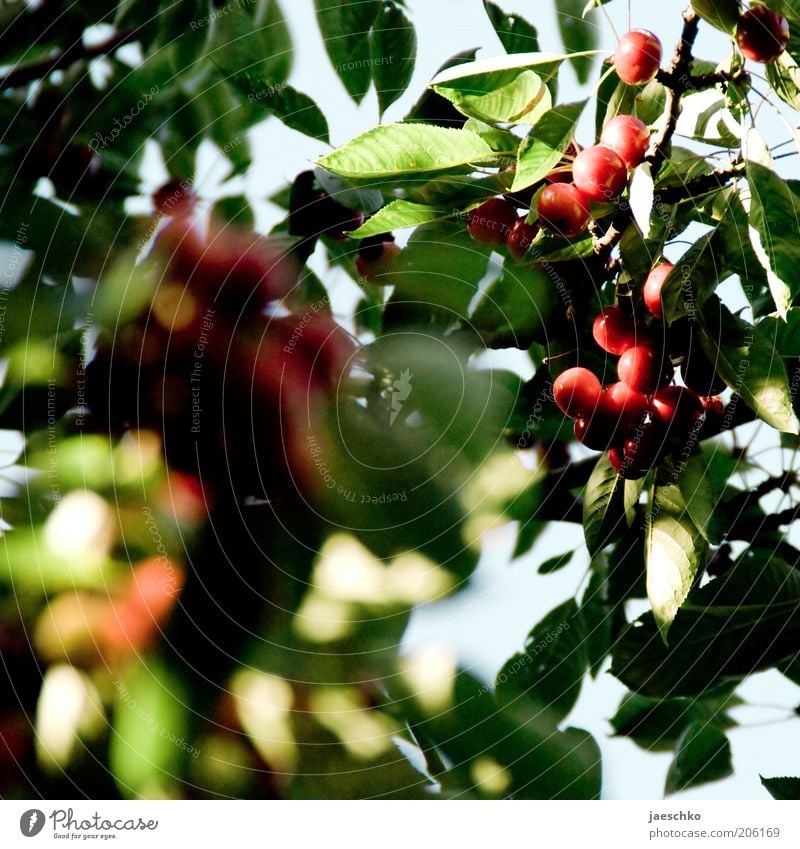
[674, 550]
[744, 622]
[486, 74]
[596, 615]
[436, 274]
[393, 149]
[345, 28]
[393, 54]
[537, 760]
[783, 335]
[514, 32]
[398, 215]
[703, 501]
[722, 14]
[784, 788]
[703, 755]
[292, 107]
[784, 76]
[550, 670]
[555, 563]
[521, 307]
[775, 231]
[521, 101]
[578, 35]
[151, 722]
[252, 38]
[603, 508]
[748, 363]
[543, 148]
[658, 724]
[694, 278]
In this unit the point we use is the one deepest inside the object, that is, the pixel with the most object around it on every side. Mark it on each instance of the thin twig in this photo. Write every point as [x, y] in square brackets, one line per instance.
[39, 70]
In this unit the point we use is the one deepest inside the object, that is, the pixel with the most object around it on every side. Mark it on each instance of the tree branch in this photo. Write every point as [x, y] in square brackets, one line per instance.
[25, 74]
[677, 81]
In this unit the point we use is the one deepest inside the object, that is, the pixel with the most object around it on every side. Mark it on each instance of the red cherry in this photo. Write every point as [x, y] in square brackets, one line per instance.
[174, 198]
[652, 289]
[492, 221]
[624, 407]
[762, 35]
[677, 408]
[577, 392]
[599, 173]
[637, 57]
[615, 331]
[713, 406]
[628, 137]
[563, 209]
[521, 237]
[643, 368]
[642, 449]
[595, 432]
[617, 458]
[375, 256]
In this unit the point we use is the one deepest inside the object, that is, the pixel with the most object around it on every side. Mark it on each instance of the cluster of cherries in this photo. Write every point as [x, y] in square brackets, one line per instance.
[599, 174]
[643, 416]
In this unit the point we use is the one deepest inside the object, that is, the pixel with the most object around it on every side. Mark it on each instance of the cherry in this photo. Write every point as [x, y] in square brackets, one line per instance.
[599, 173]
[643, 368]
[492, 221]
[652, 289]
[637, 57]
[563, 209]
[594, 432]
[615, 331]
[699, 374]
[642, 449]
[174, 198]
[762, 35]
[577, 392]
[624, 407]
[375, 256]
[677, 409]
[627, 136]
[617, 458]
[713, 405]
[679, 338]
[521, 237]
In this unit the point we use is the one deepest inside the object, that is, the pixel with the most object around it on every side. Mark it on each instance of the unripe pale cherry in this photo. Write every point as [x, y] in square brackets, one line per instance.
[627, 136]
[652, 289]
[599, 173]
[643, 368]
[762, 35]
[563, 209]
[577, 392]
[637, 57]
